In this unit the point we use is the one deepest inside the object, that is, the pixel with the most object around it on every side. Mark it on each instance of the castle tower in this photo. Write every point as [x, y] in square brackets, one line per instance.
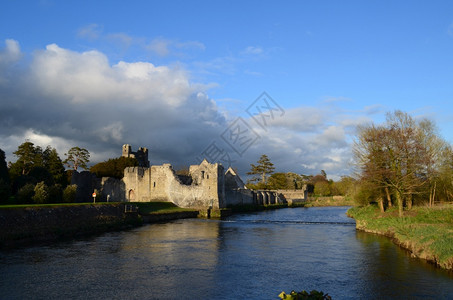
[127, 150]
[141, 155]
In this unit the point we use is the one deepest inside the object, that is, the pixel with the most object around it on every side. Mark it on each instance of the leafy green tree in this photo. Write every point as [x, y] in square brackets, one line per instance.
[278, 181]
[54, 165]
[113, 167]
[55, 193]
[294, 181]
[26, 193]
[322, 188]
[345, 187]
[28, 168]
[5, 187]
[3, 167]
[77, 158]
[41, 193]
[262, 169]
[400, 157]
[28, 157]
[69, 193]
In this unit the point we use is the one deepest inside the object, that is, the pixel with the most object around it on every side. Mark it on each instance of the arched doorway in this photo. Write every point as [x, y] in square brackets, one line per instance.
[131, 196]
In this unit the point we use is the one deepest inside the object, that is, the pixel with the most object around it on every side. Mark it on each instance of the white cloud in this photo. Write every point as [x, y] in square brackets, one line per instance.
[90, 32]
[164, 47]
[11, 52]
[252, 50]
[88, 76]
[374, 109]
[67, 98]
[301, 119]
[80, 98]
[190, 45]
[121, 38]
[159, 46]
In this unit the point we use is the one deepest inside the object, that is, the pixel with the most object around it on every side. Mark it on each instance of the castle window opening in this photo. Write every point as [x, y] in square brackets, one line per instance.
[154, 184]
[202, 174]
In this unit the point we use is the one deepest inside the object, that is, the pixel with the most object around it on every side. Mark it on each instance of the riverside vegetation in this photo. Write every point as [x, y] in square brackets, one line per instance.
[426, 232]
[405, 180]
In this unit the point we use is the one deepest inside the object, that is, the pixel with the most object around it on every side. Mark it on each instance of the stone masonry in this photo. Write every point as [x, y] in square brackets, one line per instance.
[206, 186]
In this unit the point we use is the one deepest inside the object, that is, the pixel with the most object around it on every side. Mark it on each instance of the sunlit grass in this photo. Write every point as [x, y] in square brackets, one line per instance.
[428, 232]
[158, 207]
[55, 204]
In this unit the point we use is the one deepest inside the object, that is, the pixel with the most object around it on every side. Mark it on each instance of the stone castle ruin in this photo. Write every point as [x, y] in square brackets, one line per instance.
[206, 186]
[141, 155]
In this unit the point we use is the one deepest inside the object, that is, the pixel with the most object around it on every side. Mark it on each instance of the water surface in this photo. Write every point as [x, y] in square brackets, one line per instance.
[249, 256]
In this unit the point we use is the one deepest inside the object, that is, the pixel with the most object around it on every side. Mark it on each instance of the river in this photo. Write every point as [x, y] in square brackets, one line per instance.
[247, 256]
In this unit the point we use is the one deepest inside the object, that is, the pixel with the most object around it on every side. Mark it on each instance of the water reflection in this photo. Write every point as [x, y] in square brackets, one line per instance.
[254, 256]
[391, 271]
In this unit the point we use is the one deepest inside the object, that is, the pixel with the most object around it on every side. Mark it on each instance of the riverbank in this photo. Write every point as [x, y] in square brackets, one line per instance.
[29, 224]
[23, 225]
[426, 232]
[326, 201]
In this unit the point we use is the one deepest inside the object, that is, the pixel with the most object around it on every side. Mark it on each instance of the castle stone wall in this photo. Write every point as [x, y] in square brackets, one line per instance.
[206, 189]
[136, 184]
[293, 196]
[112, 190]
[240, 197]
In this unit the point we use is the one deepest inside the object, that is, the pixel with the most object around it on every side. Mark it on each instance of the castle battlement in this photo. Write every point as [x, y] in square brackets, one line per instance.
[141, 155]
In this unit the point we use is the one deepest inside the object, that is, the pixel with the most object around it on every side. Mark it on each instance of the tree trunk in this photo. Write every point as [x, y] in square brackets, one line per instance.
[399, 199]
[381, 204]
[432, 195]
[389, 198]
[409, 201]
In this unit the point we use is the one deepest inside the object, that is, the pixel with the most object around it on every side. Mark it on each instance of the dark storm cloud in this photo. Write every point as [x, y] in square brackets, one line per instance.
[65, 98]
[79, 98]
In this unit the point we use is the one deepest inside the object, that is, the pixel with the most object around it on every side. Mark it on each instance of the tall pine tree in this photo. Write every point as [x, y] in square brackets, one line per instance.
[262, 169]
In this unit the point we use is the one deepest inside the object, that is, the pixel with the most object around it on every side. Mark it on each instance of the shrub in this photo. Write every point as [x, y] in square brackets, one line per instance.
[5, 191]
[69, 193]
[56, 193]
[41, 193]
[322, 188]
[26, 193]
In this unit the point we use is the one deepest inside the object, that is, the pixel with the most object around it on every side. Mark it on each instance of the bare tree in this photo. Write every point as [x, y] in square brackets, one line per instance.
[399, 157]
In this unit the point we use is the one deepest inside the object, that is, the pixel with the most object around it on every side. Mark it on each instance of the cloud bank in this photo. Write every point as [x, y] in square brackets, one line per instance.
[80, 97]
[66, 98]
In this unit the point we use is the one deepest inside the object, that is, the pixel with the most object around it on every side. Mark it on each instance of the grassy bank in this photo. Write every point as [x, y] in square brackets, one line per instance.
[426, 232]
[52, 205]
[146, 208]
[328, 201]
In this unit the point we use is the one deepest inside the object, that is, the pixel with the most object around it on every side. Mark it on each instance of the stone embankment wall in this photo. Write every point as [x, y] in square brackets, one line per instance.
[34, 224]
[293, 196]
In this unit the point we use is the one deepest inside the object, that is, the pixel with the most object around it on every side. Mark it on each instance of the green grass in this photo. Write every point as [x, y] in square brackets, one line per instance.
[427, 232]
[158, 207]
[329, 201]
[55, 204]
[144, 207]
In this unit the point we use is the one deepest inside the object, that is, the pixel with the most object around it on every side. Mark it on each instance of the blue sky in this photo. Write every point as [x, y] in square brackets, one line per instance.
[174, 75]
